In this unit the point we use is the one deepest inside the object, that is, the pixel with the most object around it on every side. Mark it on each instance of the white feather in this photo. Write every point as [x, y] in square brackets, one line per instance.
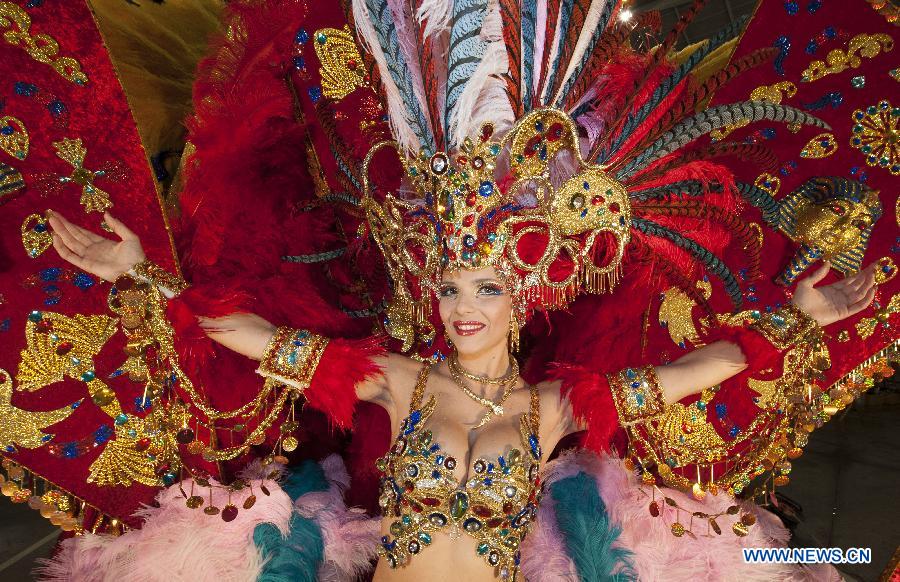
[398, 115]
[590, 23]
[484, 98]
[435, 14]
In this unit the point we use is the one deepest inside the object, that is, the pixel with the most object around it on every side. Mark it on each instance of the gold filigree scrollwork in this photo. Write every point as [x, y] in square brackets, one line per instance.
[838, 60]
[24, 428]
[40, 47]
[342, 69]
[676, 314]
[93, 199]
[14, 138]
[876, 133]
[36, 237]
[821, 146]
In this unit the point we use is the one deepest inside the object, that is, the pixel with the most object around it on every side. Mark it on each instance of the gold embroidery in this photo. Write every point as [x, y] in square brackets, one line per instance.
[885, 271]
[676, 314]
[867, 45]
[786, 327]
[821, 146]
[58, 346]
[24, 428]
[637, 395]
[292, 356]
[156, 275]
[770, 93]
[877, 135]
[92, 198]
[688, 435]
[342, 70]
[36, 237]
[10, 181]
[40, 47]
[14, 138]
[866, 326]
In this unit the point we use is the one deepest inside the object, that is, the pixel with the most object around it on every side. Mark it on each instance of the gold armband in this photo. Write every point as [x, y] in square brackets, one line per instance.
[786, 327]
[636, 394]
[292, 356]
[156, 275]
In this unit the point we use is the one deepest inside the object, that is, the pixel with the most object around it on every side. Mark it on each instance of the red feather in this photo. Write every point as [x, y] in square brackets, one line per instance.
[511, 16]
[576, 24]
[553, 7]
[344, 364]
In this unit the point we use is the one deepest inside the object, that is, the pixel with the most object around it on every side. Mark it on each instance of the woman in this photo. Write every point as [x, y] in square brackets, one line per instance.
[474, 405]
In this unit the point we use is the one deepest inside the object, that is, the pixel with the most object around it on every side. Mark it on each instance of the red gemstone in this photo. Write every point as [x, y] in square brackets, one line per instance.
[63, 348]
[507, 507]
[431, 501]
[654, 509]
[597, 200]
[556, 131]
[495, 522]
[471, 199]
[229, 512]
[43, 326]
[416, 507]
[351, 64]
[142, 445]
[487, 131]
[468, 220]
[124, 283]
[531, 146]
[480, 208]
[614, 207]
[482, 511]
[185, 436]
[462, 160]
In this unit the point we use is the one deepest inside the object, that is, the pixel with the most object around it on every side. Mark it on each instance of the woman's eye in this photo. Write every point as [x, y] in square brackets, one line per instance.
[491, 290]
[448, 292]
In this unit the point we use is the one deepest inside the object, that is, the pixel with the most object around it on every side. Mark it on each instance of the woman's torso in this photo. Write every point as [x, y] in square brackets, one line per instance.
[472, 493]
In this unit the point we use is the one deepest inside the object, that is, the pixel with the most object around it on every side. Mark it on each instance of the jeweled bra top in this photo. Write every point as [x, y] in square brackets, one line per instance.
[495, 506]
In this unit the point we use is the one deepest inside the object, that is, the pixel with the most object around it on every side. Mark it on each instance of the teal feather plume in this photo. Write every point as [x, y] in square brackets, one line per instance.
[465, 51]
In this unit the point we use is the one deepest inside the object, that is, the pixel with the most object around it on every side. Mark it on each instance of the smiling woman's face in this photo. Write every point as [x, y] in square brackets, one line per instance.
[476, 309]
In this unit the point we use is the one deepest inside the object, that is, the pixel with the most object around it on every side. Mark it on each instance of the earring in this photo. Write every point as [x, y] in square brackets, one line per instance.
[447, 338]
[513, 334]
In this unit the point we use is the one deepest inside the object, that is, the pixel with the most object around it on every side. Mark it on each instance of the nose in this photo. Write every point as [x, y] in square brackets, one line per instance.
[464, 304]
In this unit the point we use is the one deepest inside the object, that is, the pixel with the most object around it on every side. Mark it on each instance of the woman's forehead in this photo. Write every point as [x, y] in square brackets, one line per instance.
[470, 275]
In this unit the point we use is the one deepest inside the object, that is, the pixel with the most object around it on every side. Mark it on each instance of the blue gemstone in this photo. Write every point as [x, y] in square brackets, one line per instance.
[46, 438]
[486, 188]
[733, 432]
[439, 460]
[35, 316]
[490, 468]
[585, 185]
[315, 93]
[488, 481]
[435, 474]
[721, 410]
[7, 130]
[40, 227]
[299, 63]
[630, 373]
[302, 36]
[70, 450]
[501, 461]
[639, 398]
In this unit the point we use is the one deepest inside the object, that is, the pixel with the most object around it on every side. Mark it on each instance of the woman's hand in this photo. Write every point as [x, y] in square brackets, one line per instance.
[245, 333]
[93, 253]
[837, 301]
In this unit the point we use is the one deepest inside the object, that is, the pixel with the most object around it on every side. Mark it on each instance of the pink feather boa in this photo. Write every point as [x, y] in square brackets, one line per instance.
[657, 554]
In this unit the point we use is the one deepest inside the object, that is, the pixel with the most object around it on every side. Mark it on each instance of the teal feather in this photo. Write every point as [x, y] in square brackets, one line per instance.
[565, 14]
[465, 51]
[294, 558]
[607, 13]
[383, 22]
[589, 536]
[529, 30]
[669, 83]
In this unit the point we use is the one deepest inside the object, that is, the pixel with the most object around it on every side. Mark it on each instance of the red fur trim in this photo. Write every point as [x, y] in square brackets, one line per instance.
[592, 404]
[344, 364]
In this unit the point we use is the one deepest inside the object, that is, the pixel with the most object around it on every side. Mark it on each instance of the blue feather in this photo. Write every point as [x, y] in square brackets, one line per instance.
[585, 525]
[529, 31]
[383, 22]
[465, 51]
[565, 13]
[592, 44]
[295, 558]
[665, 87]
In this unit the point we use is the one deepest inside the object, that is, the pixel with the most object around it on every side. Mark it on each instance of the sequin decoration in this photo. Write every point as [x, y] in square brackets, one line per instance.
[837, 60]
[342, 70]
[36, 237]
[55, 107]
[689, 436]
[24, 428]
[93, 199]
[14, 138]
[40, 47]
[10, 181]
[821, 146]
[875, 134]
[676, 314]
[866, 326]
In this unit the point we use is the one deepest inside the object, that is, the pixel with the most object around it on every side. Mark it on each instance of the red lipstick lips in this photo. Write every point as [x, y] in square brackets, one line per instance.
[468, 327]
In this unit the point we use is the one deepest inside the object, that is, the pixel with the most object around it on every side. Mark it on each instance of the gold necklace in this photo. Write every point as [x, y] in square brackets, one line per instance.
[493, 408]
[453, 363]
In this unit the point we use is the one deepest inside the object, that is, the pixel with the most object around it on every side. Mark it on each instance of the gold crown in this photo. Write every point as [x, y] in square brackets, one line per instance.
[462, 218]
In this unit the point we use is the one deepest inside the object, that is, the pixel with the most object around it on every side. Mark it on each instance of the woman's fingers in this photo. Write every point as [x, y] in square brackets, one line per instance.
[858, 306]
[119, 227]
[70, 241]
[818, 274]
[65, 252]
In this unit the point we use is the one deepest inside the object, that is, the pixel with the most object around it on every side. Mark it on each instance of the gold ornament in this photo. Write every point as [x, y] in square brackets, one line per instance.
[876, 133]
[676, 314]
[866, 326]
[36, 235]
[342, 68]
[10, 181]
[508, 381]
[838, 60]
[821, 146]
[14, 138]
[93, 198]
[24, 428]
[885, 270]
[40, 47]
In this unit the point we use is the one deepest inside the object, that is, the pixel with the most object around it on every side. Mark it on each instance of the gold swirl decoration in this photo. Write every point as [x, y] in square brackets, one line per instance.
[92, 198]
[11, 180]
[876, 133]
[821, 146]
[676, 314]
[14, 138]
[838, 60]
[36, 236]
[40, 47]
[24, 428]
[342, 68]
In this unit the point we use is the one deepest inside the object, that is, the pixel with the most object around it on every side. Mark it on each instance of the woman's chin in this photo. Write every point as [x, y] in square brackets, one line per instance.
[474, 346]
